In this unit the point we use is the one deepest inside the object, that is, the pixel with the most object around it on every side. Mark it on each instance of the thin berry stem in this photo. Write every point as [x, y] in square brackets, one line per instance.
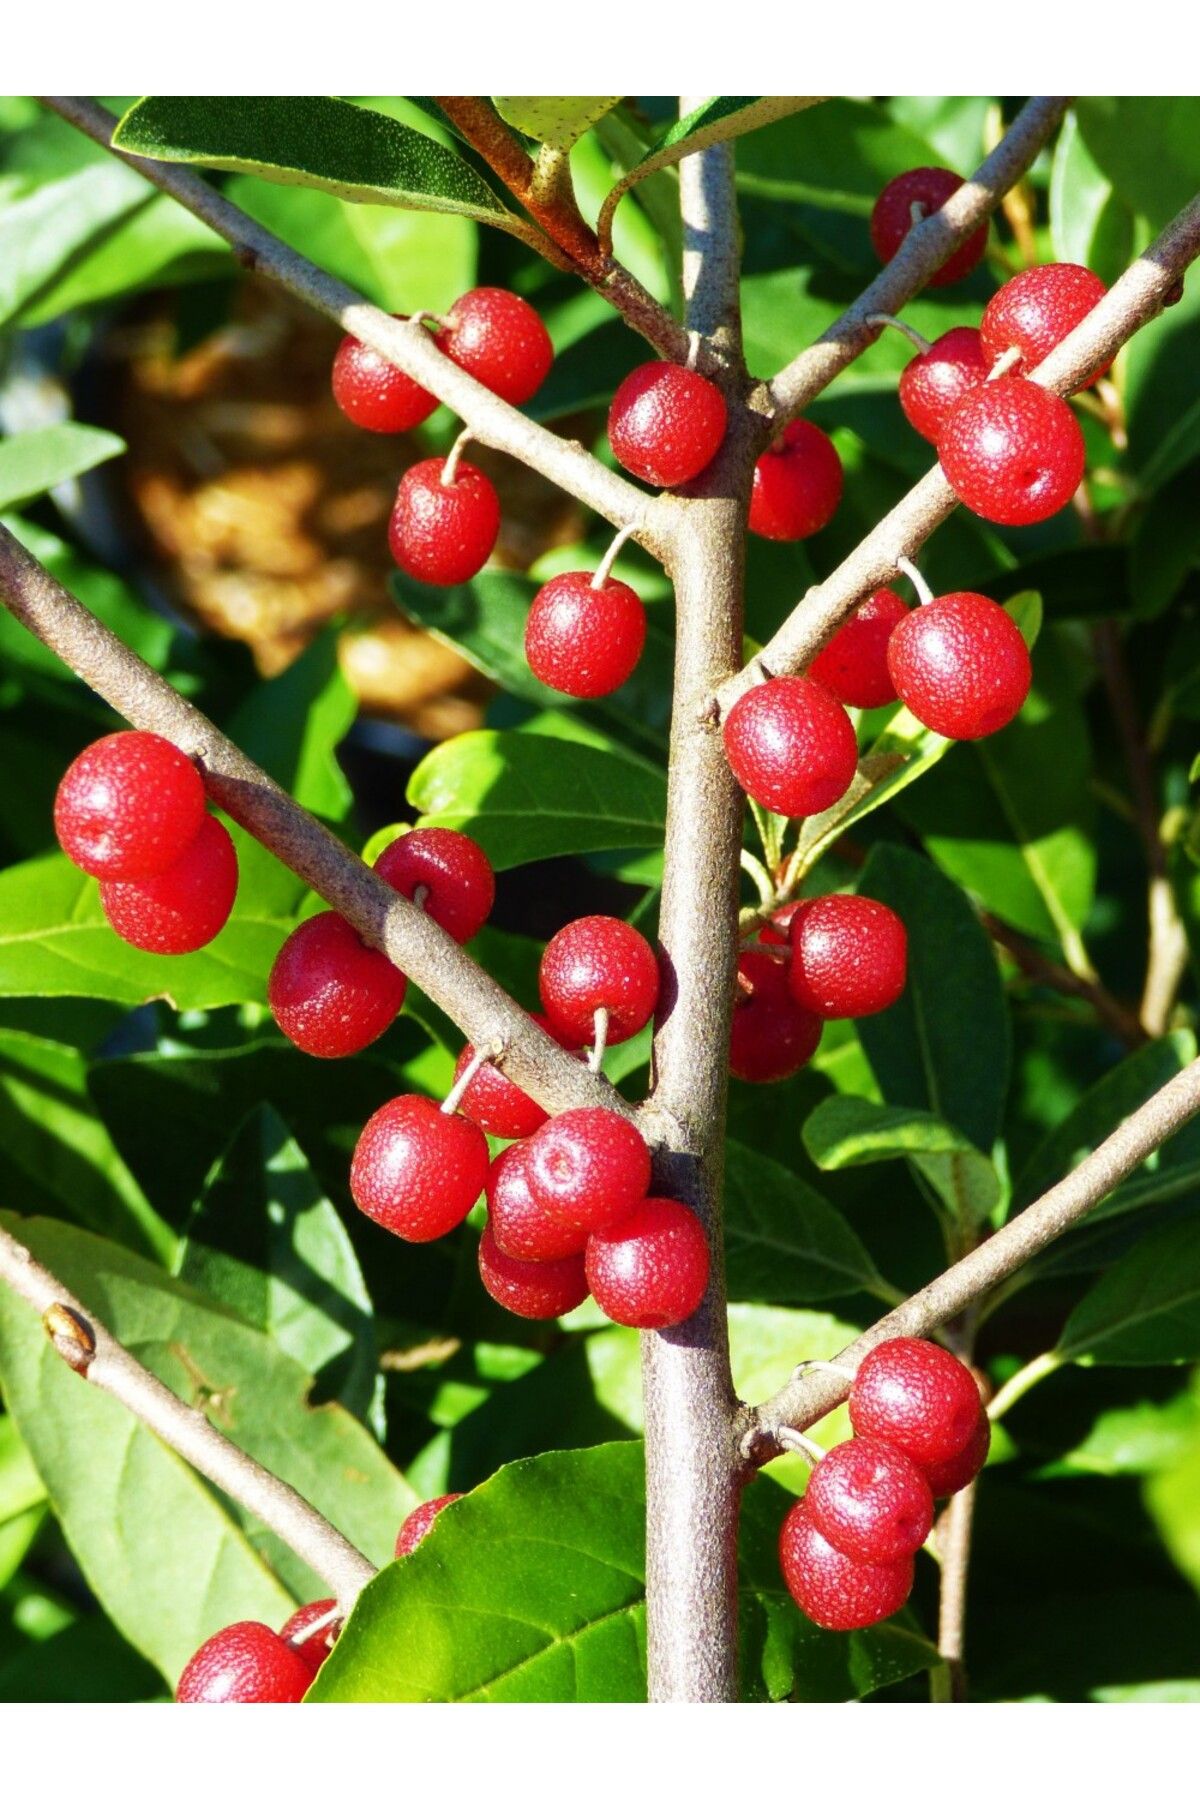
[604, 568]
[599, 1040]
[477, 1060]
[909, 568]
[915, 337]
[450, 466]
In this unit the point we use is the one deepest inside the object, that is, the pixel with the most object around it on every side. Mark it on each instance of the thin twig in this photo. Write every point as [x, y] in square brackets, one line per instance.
[954, 1548]
[1039, 968]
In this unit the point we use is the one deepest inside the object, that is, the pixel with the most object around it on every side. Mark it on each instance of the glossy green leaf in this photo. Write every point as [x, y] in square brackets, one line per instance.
[43, 230]
[556, 120]
[784, 1243]
[37, 461]
[156, 244]
[292, 725]
[846, 1132]
[1148, 146]
[1089, 223]
[1173, 1500]
[1146, 1309]
[836, 156]
[105, 595]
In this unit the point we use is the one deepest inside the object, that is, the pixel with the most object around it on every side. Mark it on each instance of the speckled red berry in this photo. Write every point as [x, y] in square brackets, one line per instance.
[960, 665]
[246, 1664]
[373, 394]
[315, 1649]
[420, 1522]
[128, 806]
[418, 1171]
[1012, 452]
[666, 423]
[917, 1397]
[329, 992]
[443, 531]
[797, 484]
[522, 1228]
[588, 1166]
[770, 1036]
[936, 380]
[593, 962]
[892, 219]
[497, 1105]
[583, 640]
[454, 872]
[958, 1472]
[499, 339]
[651, 1269]
[791, 746]
[532, 1290]
[849, 956]
[853, 664]
[829, 1587]
[185, 907]
[1036, 310]
[870, 1501]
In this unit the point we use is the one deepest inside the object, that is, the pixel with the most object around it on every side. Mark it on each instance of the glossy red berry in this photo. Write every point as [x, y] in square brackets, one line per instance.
[583, 640]
[666, 423]
[797, 484]
[831, 1588]
[917, 1397]
[497, 1105]
[936, 380]
[186, 906]
[1036, 310]
[588, 1167]
[329, 992]
[849, 956]
[375, 395]
[246, 1664]
[416, 1170]
[521, 1227]
[1012, 452]
[960, 665]
[651, 1268]
[315, 1649]
[853, 664]
[593, 962]
[791, 746]
[770, 1037]
[454, 872]
[443, 531]
[499, 339]
[532, 1290]
[420, 1521]
[958, 1472]
[870, 1501]
[128, 806]
[892, 219]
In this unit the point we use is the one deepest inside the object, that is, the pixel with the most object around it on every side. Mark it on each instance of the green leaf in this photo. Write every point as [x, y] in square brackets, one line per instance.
[1146, 1309]
[42, 231]
[835, 156]
[156, 244]
[292, 725]
[1149, 147]
[104, 594]
[845, 1131]
[36, 461]
[1166, 545]
[1173, 1501]
[784, 1242]
[556, 120]
[1089, 223]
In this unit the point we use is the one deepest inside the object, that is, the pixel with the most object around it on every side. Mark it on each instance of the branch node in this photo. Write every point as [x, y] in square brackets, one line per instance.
[71, 1334]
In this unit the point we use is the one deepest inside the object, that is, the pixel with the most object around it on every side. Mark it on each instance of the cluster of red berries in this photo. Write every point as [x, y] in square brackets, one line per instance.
[130, 810]
[847, 1549]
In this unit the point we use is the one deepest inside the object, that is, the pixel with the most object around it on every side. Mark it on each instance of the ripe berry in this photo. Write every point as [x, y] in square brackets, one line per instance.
[917, 1397]
[791, 746]
[584, 640]
[532, 1290]
[770, 1037]
[849, 956]
[832, 1589]
[246, 1664]
[375, 395]
[455, 873]
[853, 664]
[1012, 452]
[666, 423]
[183, 908]
[959, 1471]
[597, 962]
[330, 993]
[892, 220]
[315, 1649]
[651, 1268]
[499, 339]
[1036, 310]
[128, 806]
[521, 1227]
[870, 1502]
[497, 1105]
[588, 1167]
[419, 1522]
[443, 531]
[934, 382]
[416, 1170]
[797, 484]
[960, 665]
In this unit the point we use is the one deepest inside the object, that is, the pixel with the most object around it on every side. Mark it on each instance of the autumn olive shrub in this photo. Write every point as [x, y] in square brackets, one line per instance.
[393, 1222]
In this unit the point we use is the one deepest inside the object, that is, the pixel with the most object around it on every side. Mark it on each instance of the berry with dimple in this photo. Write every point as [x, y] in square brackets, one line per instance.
[853, 664]
[583, 640]
[454, 872]
[1013, 452]
[797, 484]
[416, 1170]
[917, 1397]
[849, 956]
[315, 1649]
[770, 1036]
[936, 380]
[128, 806]
[791, 746]
[596, 962]
[419, 1522]
[246, 1664]
[588, 1166]
[373, 393]
[892, 219]
[187, 905]
[532, 1290]
[870, 1501]
[831, 1588]
[330, 993]
[666, 423]
[651, 1268]
[960, 665]
[1036, 310]
[957, 1472]
[521, 1226]
[443, 531]
[499, 339]
[497, 1105]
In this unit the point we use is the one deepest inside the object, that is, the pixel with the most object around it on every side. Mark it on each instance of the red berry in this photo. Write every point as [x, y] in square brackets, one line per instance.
[532, 1290]
[832, 1589]
[651, 1268]
[593, 962]
[797, 484]
[583, 640]
[959, 1471]
[373, 393]
[315, 1649]
[791, 746]
[934, 382]
[853, 664]
[455, 873]
[771, 1037]
[183, 908]
[330, 993]
[1012, 452]
[892, 220]
[443, 531]
[1036, 310]
[419, 1522]
[870, 1502]
[497, 1105]
[849, 956]
[128, 806]
[246, 1664]
[917, 1397]
[521, 1227]
[416, 1170]
[588, 1167]
[960, 665]
[499, 339]
[666, 423]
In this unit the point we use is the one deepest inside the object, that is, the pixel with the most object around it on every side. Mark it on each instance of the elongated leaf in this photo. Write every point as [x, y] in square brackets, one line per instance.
[1146, 1309]
[1089, 223]
[42, 231]
[1148, 147]
[154, 638]
[556, 120]
[37, 461]
[847, 1131]
[784, 1242]
[1173, 1499]
[292, 726]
